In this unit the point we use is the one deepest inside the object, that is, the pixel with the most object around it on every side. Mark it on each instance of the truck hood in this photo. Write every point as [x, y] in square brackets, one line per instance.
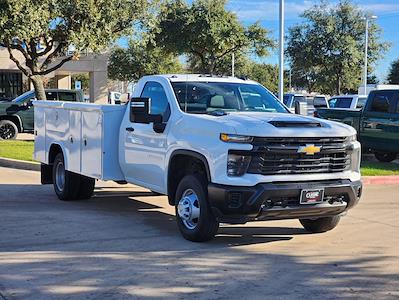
[280, 125]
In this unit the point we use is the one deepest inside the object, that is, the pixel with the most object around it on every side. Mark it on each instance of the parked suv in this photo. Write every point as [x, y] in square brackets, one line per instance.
[17, 115]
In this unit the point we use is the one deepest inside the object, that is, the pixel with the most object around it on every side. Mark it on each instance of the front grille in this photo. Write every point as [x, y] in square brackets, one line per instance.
[272, 156]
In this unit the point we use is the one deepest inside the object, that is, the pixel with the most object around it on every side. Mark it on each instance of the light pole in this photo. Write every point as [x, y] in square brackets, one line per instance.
[281, 54]
[366, 46]
[232, 64]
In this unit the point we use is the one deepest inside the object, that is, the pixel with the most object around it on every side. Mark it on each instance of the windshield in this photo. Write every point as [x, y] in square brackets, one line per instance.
[24, 97]
[207, 97]
[340, 102]
[300, 99]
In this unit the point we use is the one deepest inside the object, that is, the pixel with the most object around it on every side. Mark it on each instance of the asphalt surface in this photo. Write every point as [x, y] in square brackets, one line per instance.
[124, 244]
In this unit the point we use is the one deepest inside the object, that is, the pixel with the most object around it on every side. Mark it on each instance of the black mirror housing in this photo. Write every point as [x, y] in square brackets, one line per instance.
[140, 111]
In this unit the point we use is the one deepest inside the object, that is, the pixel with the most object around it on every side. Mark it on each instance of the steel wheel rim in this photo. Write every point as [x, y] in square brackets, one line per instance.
[188, 209]
[6, 131]
[60, 176]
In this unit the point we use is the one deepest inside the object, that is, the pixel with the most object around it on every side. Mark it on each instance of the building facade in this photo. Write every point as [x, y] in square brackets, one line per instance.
[13, 82]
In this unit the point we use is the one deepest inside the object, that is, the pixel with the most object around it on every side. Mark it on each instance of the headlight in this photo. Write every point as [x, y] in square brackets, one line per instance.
[352, 138]
[234, 138]
[237, 164]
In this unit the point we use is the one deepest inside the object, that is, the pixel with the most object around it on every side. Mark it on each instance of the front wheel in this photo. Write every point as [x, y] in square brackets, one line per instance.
[385, 156]
[321, 224]
[194, 216]
[8, 130]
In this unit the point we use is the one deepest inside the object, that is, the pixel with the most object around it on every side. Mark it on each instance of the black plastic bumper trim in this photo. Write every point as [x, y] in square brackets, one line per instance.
[236, 204]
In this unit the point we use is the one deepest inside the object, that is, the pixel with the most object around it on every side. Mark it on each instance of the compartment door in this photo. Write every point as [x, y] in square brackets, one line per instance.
[74, 141]
[92, 131]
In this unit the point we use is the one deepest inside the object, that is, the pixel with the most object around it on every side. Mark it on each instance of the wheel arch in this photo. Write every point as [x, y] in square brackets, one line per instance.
[15, 119]
[54, 149]
[183, 162]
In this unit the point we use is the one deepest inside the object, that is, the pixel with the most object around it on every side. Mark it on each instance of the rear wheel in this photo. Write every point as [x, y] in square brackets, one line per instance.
[321, 224]
[194, 216]
[66, 184]
[8, 130]
[385, 156]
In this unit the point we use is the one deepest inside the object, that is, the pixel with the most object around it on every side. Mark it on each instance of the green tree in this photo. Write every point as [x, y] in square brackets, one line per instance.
[207, 34]
[393, 76]
[43, 30]
[139, 59]
[327, 50]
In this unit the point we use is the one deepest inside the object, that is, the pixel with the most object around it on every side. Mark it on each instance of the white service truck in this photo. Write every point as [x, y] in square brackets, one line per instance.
[222, 149]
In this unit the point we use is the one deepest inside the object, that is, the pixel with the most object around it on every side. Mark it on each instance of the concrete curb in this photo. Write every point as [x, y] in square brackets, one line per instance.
[379, 180]
[19, 164]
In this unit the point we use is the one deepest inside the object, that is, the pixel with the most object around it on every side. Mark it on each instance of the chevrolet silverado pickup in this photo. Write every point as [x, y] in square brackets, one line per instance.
[377, 124]
[222, 149]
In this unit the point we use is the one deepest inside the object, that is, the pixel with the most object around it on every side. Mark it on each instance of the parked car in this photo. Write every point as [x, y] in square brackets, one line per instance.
[347, 102]
[320, 101]
[17, 115]
[377, 124]
[290, 99]
[222, 149]
[114, 98]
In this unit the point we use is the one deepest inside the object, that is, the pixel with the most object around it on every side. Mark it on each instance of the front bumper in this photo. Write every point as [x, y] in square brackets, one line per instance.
[276, 201]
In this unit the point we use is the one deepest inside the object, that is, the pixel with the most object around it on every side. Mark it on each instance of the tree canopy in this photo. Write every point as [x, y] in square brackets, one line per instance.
[393, 76]
[207, 33]
[327, 50]
[43, 30]
[141, 58]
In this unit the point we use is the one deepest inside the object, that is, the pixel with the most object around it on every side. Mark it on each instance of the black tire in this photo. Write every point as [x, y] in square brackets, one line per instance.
[8, 130]
[206, 226]
[385, 156]
[321, 224]
[86, 187]
[69, 189]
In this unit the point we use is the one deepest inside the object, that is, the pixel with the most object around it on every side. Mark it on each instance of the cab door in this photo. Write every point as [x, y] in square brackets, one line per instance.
[25, 111]
[144, 149]
[380, 122]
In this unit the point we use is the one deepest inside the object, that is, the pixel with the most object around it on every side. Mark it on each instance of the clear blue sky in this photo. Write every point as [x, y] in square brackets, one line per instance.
[266, 11]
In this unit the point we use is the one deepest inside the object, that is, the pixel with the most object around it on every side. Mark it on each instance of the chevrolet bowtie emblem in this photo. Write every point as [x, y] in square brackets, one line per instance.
[309, 149]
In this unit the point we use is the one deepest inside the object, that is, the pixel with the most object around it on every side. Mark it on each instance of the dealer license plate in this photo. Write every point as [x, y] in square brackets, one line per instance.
[312, 196]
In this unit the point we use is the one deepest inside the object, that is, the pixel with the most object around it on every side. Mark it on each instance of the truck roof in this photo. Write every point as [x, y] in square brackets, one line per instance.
[349, 96]
[202, 78]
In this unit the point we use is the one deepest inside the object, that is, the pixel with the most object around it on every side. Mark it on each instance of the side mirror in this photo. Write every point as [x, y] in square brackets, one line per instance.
[300, 108]
[140, 112]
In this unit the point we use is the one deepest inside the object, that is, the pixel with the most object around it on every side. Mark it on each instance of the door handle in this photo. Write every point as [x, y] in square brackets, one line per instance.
[366, 125]
[130, 129]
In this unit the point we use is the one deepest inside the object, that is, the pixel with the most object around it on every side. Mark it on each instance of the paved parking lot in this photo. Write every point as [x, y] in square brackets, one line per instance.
[124, 244]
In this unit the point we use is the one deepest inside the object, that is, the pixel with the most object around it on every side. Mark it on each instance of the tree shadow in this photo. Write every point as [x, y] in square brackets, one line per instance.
[123, 247]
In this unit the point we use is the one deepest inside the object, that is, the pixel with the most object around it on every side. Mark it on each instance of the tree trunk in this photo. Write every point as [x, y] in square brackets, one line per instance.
[37, 81]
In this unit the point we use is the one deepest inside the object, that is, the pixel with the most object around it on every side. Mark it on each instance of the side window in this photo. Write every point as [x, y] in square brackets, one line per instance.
[159, 101]
[381, 101]
[331, 102]
[340, 102]
[51, 96]
[65, 96]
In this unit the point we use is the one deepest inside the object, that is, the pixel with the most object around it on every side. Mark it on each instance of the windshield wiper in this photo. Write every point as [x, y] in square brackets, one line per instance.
[217, 113]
